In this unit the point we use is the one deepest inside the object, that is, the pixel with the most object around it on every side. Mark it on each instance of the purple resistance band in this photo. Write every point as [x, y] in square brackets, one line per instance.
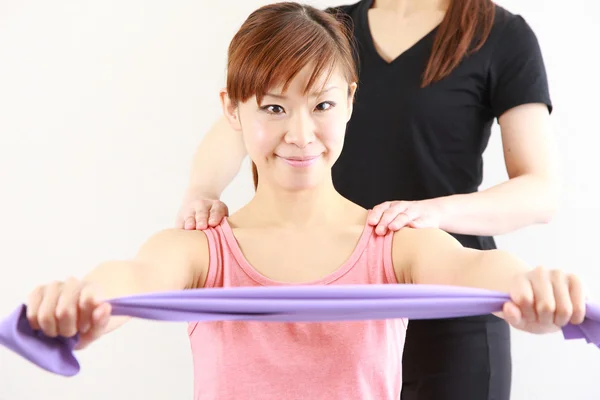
[278, 304]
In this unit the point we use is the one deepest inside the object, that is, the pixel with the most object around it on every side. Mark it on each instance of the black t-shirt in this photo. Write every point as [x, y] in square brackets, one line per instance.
[405, 142]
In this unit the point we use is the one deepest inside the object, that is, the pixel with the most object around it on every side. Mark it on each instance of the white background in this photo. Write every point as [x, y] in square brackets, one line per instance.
[102, 104]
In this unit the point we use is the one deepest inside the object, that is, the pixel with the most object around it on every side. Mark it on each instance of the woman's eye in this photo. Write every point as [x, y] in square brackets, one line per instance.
[273, 109]
[324, 106]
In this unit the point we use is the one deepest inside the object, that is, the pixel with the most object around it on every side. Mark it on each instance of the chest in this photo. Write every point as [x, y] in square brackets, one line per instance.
[297, 257]
[452, 115]
[392, 36]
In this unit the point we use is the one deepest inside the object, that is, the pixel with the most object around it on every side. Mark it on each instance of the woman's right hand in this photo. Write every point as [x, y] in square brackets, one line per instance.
[200, 212]
[67, 308]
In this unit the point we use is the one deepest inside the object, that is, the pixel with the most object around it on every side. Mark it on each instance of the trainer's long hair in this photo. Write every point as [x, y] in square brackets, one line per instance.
[464, 29]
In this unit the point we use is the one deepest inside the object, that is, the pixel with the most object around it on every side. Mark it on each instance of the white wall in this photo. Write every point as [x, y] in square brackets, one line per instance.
[101, 106]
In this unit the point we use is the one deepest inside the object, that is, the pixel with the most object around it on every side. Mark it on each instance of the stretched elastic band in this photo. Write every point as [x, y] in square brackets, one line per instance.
[278, 304]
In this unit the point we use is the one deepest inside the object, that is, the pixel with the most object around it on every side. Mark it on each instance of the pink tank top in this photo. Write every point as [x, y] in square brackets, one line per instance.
[273, 361]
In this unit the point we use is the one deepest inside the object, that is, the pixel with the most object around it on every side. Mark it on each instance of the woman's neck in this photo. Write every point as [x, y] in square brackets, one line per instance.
[322, 205]
[405, 8]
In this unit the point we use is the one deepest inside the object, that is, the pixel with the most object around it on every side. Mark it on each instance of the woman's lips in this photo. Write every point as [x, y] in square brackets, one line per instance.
[300, 162]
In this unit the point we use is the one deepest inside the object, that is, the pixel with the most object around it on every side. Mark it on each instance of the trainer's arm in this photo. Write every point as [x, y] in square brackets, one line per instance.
[217, 160]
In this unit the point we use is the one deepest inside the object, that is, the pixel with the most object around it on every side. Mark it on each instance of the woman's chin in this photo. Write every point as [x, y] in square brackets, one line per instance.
[301, 184]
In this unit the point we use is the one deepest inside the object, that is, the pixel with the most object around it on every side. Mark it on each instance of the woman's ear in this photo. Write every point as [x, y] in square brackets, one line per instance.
[351, 92]
[230, 110]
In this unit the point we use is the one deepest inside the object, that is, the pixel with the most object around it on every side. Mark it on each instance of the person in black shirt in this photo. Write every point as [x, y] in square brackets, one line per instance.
[434, 77]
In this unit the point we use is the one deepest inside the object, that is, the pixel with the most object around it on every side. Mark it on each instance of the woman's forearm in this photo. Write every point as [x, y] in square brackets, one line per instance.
[217, 160]
[514, 204]
[118, 278]
[494, 270]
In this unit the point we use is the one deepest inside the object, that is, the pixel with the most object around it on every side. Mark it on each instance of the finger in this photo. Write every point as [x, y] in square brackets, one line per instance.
[47, 311]
[543, 293]
[190, 222]
[403, 213]
[388, 216]
[577, 299]
[181, 218]
[67, 308]
[89, 299]
[513, 315]
[217, 212]
[100, 320]
[201, 219]
[403, 219]
[377, 211]
[521, 295]
[34, 301]
[422, 222]
[416, 223]
[562, 298]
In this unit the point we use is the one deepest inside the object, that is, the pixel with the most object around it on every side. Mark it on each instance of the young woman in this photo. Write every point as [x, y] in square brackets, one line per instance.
[434, 75]
[290, 87]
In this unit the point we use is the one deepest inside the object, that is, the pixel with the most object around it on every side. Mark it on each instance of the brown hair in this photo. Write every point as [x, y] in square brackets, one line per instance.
[277, 41]
[464, 29]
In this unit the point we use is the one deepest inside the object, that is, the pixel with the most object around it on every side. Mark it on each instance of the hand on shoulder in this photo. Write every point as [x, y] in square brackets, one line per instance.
[394, 215]
[198, 211]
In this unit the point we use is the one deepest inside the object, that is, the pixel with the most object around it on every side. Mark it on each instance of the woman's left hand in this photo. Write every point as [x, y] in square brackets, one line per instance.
[394, 215]
[543, 301]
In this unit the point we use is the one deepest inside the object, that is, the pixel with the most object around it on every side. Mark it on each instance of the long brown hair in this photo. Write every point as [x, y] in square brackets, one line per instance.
[464, 29]
[277, 41]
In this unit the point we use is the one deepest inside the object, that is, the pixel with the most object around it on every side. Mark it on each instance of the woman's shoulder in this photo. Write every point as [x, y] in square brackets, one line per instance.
[177, 250]
[176, 237]
[510, 28]
[191, 243]
[504, 17]
[411, 239]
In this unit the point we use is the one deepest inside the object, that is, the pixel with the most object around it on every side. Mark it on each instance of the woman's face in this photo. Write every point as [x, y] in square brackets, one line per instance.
[295, 138]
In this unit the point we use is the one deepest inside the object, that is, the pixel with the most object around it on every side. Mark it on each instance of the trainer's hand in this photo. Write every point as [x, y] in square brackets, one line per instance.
[67, 308]
[543, 301]
[199, 212]
[394, 215]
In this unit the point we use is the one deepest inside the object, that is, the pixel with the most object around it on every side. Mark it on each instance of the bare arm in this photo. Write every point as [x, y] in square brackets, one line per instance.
[217, 160]
[540, 300]
[529, 196]
[432, 256]
[169, 260]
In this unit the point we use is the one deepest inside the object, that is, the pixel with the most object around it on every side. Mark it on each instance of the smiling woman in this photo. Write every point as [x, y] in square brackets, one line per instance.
[263, 72]
[291, 104]
[292, 135]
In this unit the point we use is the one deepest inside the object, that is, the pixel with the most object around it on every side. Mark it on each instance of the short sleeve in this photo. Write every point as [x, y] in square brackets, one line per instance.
[517, 70]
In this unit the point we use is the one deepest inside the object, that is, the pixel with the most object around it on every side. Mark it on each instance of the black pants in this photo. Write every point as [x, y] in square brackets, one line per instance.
[457, 359]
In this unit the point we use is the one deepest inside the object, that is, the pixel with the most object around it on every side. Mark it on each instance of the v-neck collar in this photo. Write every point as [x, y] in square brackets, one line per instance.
[369, 43]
